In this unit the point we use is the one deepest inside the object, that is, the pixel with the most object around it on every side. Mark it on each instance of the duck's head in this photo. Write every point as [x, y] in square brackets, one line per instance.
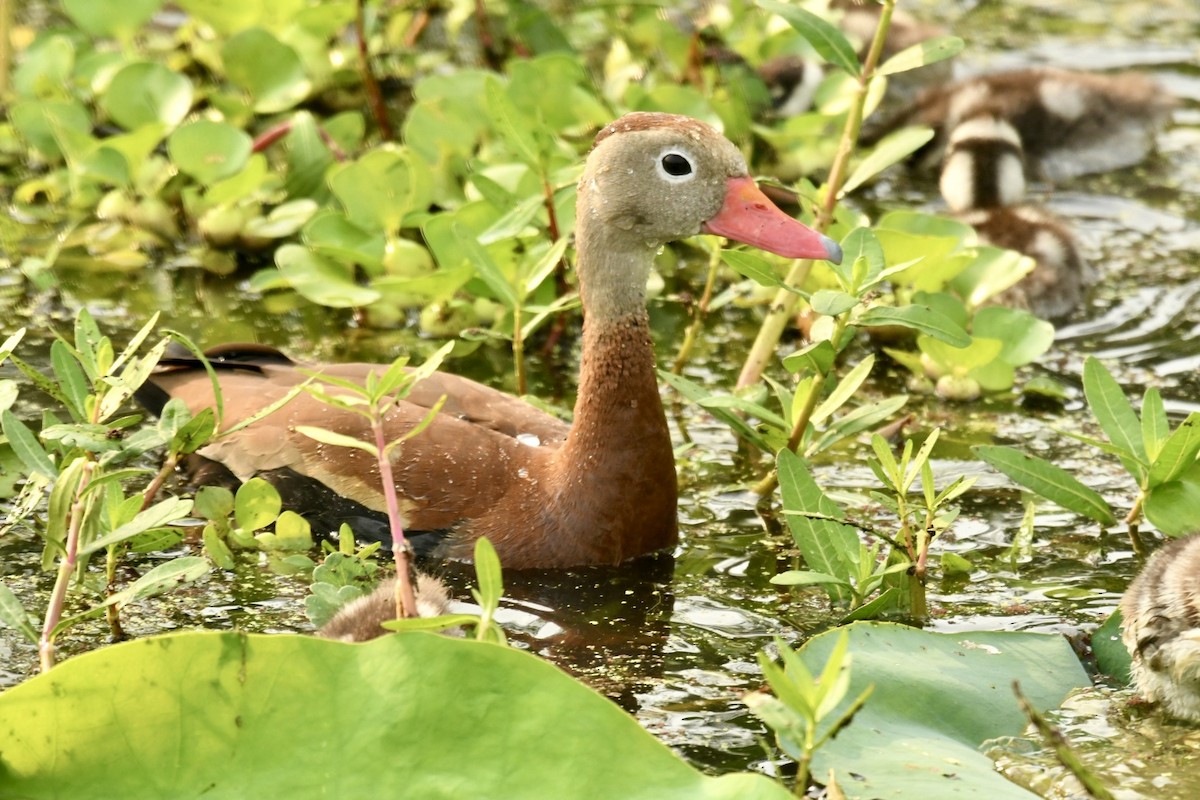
[984, 165]
[659, 177]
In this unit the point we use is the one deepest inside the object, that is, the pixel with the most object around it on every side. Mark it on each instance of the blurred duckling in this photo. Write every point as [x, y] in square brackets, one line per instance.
[983, 182]
[1161, 611]
[1060, 276]
[1069, 123]
[361, 619]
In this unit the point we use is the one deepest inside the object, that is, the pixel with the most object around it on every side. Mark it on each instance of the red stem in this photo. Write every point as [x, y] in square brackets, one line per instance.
[406, 601]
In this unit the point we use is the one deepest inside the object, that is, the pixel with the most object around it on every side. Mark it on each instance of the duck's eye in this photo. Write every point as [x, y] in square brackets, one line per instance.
[676, 165]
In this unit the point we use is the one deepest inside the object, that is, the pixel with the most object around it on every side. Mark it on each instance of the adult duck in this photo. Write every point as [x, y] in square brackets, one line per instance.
[1161, 628]
[599, 491]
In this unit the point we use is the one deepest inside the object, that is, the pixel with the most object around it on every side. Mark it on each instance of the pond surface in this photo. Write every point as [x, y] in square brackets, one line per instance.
[675, 643]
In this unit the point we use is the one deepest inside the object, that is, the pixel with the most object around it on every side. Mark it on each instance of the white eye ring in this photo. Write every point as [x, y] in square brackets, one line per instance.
[675, 166]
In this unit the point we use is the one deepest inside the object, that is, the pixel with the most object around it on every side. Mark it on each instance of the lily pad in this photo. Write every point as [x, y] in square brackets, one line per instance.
[228, 715]
[937, 698]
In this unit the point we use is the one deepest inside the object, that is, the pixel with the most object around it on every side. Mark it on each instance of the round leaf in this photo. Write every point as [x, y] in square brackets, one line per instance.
[116, 18]
[209, 151]
[267, 68]
[321, 280]
[144, 93]
[229, 715]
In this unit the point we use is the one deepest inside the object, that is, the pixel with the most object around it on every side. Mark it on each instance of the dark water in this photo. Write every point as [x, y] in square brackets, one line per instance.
[676, 644]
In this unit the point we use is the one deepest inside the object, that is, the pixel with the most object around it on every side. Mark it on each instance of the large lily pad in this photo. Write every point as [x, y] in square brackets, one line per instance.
[938, 697]
[228, 715]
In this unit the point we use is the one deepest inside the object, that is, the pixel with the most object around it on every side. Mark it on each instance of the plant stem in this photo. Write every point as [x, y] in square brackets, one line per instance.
[699, 312]
[800, 424]
[406, 601]
[66, 568]
[374, 94]
[112, 614]
[518, 347]
[1132, 519]
[1063, 751]
[803, 771]
[784, 304]
[6, 17]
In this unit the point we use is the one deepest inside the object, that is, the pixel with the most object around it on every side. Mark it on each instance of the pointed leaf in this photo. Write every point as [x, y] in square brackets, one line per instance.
[1050, 481]
[827, 40]
[1112, 409]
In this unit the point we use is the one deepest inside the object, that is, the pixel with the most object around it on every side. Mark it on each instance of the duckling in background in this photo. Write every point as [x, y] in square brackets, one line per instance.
[984, 165]
[1161, 611]
[362, 619]
[1056, 286]
[983, 181]
[1069, 123]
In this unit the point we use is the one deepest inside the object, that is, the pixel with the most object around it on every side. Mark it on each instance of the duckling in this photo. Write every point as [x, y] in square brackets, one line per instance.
[1069, 123]
[1060, 276]
[1161, 628]
[361, 619]
[983, 181]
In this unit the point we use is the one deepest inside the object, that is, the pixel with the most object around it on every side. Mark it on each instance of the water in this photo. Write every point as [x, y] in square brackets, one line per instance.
[676, 644]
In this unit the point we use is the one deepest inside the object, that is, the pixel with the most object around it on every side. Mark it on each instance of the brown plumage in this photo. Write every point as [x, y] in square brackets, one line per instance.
[1161, 611]
[1060, 275]
[547, 495]
[362, 619]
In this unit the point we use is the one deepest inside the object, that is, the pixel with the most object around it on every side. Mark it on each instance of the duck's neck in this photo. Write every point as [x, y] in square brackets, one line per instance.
[617, 463]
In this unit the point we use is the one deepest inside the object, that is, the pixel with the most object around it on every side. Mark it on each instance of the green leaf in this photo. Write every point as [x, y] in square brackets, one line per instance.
[920, 318]
[922, 54]
[1050, 481]
[209, 151]
[13, 614]
[893, 148]
[816, 357]
[119, 19]
[1155, 427]
[831, 303]
[695, 393]
[1112, 409]
[234, 716]
[1178, 453]
[26, 446]
[844, 389]
[827, 545]
[1112, 657]
[268, 69]
[796, 577]
[163, 578]
[909, 742]
[1024, 337]
[512, 126]
[256, 504]
[157, 515]
[336, 439]
[146, 92]
[1174, 506]
[383, 187]
[42, 123]
[321, 280]
[71, 379]
[827, 40]
[757, 268]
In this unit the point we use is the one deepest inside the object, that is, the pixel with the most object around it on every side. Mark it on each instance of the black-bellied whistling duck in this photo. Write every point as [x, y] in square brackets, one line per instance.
[1069, 123]
[1161, 628]
[546, 494]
